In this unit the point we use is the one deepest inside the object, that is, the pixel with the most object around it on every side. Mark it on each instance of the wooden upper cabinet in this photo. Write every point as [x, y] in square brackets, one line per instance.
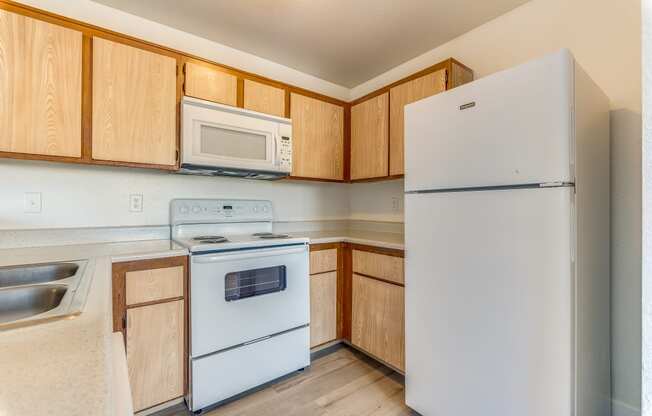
[317, 138]
[40, 87]
[370, 138]
[264, 98]
[403, 94]
[210, 83]
[134, 105]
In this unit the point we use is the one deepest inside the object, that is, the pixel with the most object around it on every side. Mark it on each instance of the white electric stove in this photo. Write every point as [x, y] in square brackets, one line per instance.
[249, 297]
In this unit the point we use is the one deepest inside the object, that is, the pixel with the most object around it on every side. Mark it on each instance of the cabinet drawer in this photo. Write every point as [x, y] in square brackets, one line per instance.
[155, 284]
[322, 261]
[378, 324]
[378, 265]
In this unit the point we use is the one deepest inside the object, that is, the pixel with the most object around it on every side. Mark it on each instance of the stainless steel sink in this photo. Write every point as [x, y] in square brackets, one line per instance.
[23, 302]
[37, 273]
[34, 293]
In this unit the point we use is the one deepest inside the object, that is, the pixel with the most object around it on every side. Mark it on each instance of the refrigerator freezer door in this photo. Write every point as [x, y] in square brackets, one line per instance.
[512, 127]
[488, 296]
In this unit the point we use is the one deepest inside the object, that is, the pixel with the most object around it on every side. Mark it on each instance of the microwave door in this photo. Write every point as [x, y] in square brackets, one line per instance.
[231, 146]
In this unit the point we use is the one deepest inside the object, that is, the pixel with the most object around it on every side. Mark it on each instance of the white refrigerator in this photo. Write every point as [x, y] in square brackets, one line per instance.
[507, 245]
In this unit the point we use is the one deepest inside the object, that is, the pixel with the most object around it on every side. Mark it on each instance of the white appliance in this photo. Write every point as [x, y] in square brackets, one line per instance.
[507, 245]
[228, 141]
[249, 297]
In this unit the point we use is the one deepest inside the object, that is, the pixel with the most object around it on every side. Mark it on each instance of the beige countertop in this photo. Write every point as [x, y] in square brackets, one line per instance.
[370, 238]
[65, 367]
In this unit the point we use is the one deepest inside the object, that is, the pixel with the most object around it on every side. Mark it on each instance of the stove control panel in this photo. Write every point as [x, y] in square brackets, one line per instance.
[194, 211]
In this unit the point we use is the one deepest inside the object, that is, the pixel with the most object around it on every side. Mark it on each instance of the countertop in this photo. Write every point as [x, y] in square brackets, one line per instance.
[370, 238]
[65, 367]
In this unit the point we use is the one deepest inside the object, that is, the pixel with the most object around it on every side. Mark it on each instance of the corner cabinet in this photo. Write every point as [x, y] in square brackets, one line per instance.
[317, 138]
[150, 308]
[370, 138]
[40, 87]
[378, 304]
[377, 120]
[134, 105]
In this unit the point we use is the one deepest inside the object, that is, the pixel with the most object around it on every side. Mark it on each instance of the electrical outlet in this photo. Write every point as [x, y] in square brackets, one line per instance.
[32, 202]
[136, 203]
[396, 204]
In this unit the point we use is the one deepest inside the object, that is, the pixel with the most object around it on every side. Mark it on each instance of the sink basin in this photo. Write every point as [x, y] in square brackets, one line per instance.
[24, 302]
[36, 273]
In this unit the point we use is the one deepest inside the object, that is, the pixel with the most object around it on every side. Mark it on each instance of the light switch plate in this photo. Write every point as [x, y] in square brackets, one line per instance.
[32, 202]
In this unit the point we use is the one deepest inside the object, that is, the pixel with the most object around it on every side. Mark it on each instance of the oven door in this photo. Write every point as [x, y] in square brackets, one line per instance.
[241, 296]
[220, 136]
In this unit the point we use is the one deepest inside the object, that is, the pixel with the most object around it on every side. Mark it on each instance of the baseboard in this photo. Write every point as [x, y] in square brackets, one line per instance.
[619, 408]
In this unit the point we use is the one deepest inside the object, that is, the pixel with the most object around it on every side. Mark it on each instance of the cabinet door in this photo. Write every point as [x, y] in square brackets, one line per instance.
[323, 308]
[317, 138]
[40, 87]
[134, 105]
[155, 351]
[403, 94]
[370, 137]
[264, 98]
[209, 83]
[378, 324]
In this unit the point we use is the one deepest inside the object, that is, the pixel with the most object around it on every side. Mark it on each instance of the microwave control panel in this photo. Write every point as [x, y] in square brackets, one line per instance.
[285, 148]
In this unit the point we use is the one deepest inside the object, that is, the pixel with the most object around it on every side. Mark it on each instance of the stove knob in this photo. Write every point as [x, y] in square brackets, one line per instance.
[255, 209]
[265, 209]
[183, 209]
[196, 209]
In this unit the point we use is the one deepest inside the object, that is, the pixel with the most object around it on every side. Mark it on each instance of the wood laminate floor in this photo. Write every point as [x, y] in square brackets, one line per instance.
[342, 383]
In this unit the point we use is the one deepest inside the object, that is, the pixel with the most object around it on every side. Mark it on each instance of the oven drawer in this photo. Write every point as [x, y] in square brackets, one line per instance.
[220, 376]
[240, 296]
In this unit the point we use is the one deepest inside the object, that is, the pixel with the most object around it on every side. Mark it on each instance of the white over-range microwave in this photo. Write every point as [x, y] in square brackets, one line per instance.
[219, 140]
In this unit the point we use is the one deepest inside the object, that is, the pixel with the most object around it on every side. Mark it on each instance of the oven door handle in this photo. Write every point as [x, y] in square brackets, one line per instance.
[223, 257]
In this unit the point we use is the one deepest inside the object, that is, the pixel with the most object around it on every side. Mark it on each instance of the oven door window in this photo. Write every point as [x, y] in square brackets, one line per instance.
[250, 283]
[233, 143]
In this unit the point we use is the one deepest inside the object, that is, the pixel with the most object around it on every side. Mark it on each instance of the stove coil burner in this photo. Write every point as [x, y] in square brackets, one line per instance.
[271, 235]
[210, 239]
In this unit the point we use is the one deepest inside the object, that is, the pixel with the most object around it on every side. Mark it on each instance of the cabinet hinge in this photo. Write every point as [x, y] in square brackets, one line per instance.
[448, 87]
[176, 157]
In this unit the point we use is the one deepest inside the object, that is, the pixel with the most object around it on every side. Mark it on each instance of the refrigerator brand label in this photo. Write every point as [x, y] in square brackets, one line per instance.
[467, 105]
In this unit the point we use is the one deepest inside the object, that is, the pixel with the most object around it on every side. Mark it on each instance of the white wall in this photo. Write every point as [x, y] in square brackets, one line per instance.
[604, 36]
[376, 201]
[83, 196]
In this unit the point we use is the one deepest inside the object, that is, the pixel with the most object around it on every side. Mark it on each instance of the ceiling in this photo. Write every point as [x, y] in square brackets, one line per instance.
[346, 42]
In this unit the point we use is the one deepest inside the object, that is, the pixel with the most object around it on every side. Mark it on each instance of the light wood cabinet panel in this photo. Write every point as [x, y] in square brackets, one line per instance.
[323, 261]
[370, 138]
[208, 83]
[152, 285]
[264, 98]
[401, 95]
[155, 353]
[317, 138]
[134, 105]
[379, 265]
[460, 75]
[378, 324]
[40, 87]
[323, 308]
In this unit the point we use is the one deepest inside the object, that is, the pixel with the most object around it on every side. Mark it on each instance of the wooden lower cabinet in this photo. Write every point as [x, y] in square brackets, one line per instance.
[155, 353]
[377, 322]
[150, 308]
[323, 308]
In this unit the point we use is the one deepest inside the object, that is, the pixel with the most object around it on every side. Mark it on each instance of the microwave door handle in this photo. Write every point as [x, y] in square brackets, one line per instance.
[277, 148]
